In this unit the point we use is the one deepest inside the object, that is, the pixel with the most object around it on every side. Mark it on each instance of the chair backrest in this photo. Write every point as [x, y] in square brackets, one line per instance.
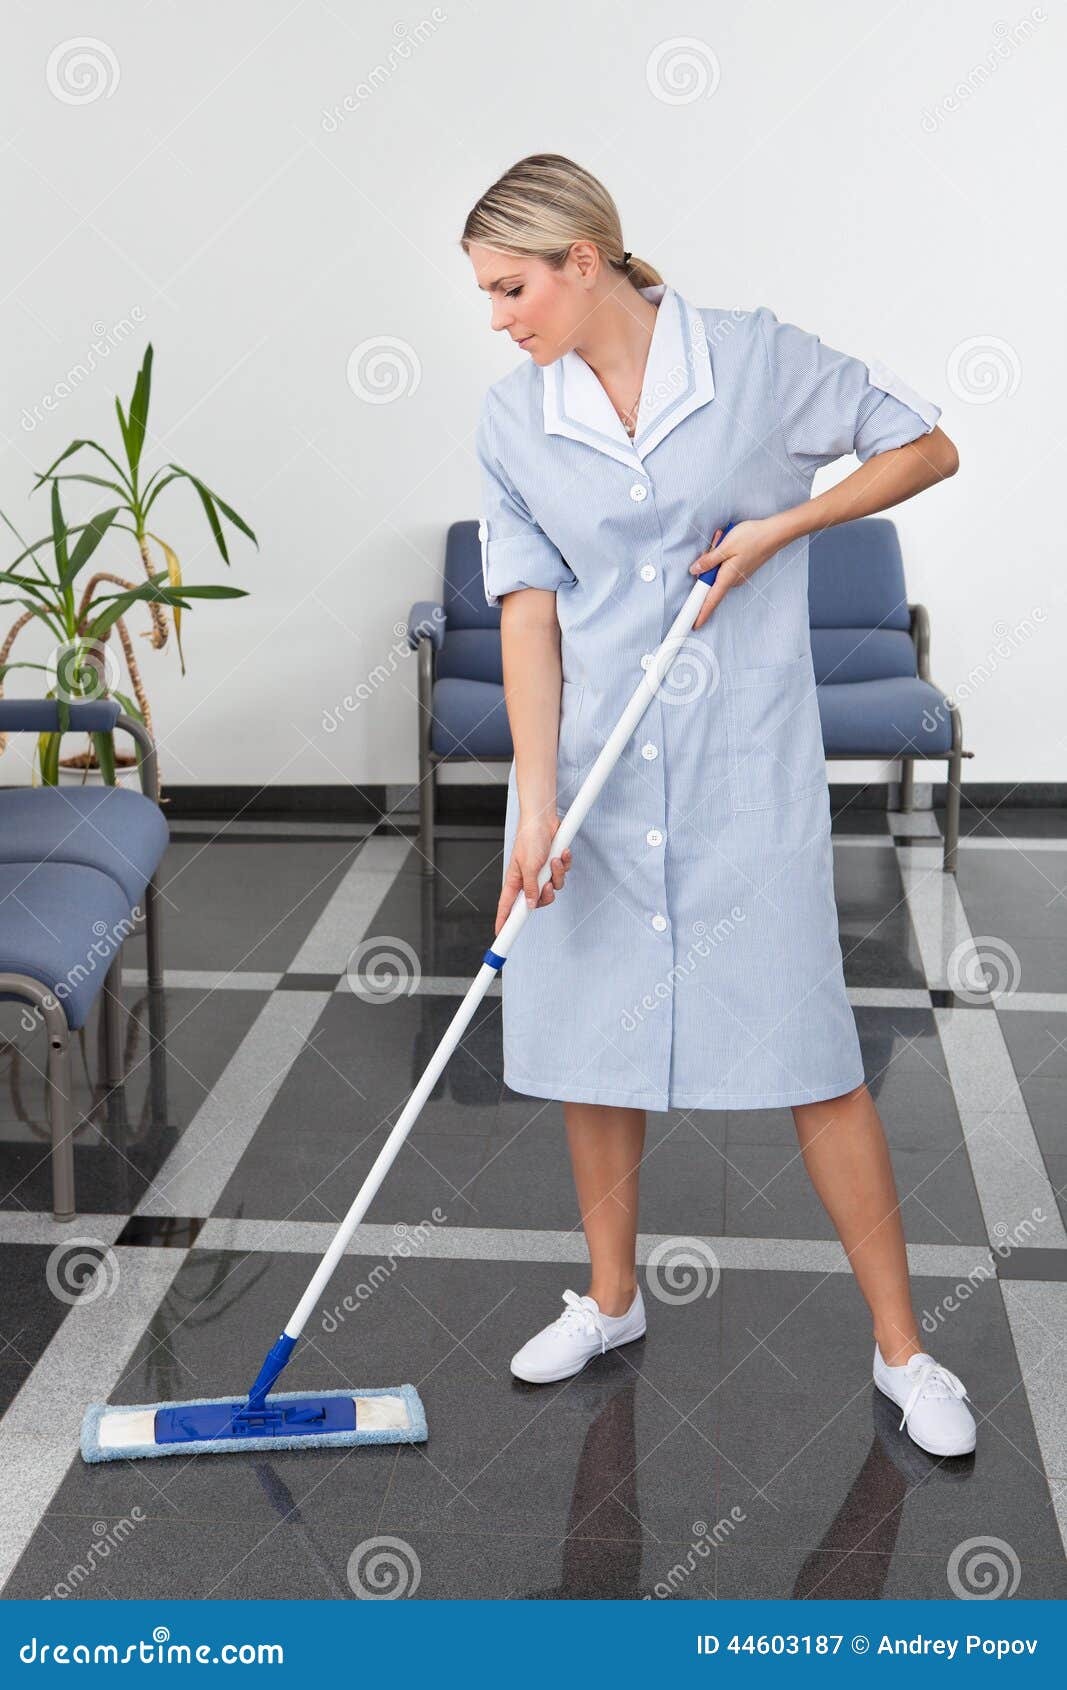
[858, 603]
[857, 606]
[471, 649]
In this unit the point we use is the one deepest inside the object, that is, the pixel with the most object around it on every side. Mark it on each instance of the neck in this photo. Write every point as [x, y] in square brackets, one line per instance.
[616, 335]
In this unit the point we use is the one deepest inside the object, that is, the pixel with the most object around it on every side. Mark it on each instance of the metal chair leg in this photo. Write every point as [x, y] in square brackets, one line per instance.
[111, 1012]
[153, 936]
[61, 1110]
[953, 795]
[907, 785]
[427, 766]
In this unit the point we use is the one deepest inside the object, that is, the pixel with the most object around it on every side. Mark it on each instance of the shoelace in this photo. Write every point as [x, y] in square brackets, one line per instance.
[931, 1373]
[587, 1319]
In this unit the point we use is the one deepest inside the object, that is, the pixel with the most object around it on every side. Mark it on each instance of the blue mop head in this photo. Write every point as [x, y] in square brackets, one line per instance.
[288, 1420]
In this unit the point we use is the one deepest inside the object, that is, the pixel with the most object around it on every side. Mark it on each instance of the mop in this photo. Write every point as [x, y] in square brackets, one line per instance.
[271, 1419]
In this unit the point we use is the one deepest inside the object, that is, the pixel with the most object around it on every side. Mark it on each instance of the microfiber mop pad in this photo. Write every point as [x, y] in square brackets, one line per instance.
[222, 1425]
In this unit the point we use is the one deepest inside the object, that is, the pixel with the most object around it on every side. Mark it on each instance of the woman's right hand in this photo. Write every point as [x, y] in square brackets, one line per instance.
[533, 839]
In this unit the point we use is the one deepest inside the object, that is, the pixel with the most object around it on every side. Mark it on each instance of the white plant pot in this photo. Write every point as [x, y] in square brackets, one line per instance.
[127, 777]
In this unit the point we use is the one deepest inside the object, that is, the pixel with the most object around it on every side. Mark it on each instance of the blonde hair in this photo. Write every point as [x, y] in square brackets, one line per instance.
[545, 203]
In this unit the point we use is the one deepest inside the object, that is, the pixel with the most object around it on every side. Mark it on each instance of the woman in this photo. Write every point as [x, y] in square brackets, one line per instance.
[695, 962]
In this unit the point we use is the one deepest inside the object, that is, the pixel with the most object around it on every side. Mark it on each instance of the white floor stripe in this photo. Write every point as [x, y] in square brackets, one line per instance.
[354, 905]
[1018, 1203]
[39, 1434]
[524, 1245]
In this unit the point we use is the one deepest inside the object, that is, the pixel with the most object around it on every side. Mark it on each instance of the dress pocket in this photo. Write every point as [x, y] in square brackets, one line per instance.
[776, 748]
[568, 756]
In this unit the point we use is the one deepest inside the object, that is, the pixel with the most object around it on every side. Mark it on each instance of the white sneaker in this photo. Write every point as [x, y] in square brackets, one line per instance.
[580, 1333]
[932, 1400]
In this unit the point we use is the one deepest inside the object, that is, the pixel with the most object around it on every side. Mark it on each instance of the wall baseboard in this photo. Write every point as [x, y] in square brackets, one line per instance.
[486, 803]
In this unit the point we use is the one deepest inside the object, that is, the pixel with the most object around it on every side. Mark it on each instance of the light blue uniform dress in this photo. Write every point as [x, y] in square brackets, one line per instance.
[692, 959]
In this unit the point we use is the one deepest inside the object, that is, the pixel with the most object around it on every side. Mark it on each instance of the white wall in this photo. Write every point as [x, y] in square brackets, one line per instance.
[205, 202]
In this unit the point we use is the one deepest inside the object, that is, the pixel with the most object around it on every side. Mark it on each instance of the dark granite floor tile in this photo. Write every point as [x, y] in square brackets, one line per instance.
[174, 1050]
[249, 905]
[36, 1281]
[769, 1195]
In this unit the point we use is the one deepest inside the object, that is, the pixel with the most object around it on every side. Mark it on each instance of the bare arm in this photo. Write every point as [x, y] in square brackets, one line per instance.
[533, 681]
[885, 479]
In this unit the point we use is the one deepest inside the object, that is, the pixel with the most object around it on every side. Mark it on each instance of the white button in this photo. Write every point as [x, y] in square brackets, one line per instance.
[647, 659]
[659, 922]
[638, 492]
[648, 573]
[649, 751]
[654, 836]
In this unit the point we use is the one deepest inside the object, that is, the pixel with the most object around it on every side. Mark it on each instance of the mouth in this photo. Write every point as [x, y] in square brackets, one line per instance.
[527, 340]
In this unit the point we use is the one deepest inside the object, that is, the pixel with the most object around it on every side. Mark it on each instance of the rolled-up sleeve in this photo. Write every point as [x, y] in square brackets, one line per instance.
[515, 551]
[830, 404]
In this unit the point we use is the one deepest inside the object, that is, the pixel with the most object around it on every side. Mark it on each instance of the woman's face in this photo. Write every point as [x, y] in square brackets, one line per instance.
[540, 308]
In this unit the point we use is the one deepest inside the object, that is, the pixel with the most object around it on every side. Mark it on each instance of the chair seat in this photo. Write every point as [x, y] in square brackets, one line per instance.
[122, 834]
[62, 924]
[898, 717]
[470, 719]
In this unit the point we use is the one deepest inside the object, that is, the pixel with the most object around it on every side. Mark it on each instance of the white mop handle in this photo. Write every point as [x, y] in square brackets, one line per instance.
[572, 821]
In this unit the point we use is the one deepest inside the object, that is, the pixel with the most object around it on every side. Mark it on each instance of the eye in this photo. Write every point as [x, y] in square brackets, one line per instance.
[513, 293]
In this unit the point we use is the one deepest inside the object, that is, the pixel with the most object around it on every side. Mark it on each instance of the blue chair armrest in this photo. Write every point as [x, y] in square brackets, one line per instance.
[41, 715]
[426, 621]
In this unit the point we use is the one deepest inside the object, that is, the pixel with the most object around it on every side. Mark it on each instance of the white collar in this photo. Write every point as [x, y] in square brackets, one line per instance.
[677, 382]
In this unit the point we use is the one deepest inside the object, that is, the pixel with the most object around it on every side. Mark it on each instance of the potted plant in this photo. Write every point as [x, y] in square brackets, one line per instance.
[82, 663]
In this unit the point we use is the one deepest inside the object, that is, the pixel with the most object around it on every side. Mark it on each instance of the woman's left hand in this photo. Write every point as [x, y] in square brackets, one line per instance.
[747, 546]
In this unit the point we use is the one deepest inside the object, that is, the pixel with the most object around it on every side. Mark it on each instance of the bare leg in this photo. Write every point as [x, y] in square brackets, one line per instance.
[847, 1158]
[606, 1146]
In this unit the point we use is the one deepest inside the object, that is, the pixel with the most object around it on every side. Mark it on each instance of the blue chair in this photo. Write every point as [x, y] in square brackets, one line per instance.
[870, 650]
[75, 865]
[871, 654]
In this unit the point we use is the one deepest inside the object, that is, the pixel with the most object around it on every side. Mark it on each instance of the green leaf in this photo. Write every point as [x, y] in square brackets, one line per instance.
[13, 580]
[210, 500]
[139, 409]
[150, 501]
[48, 745]
[59, 533]
[105, 755]
[23, 664]
[75, 446]
[130, 706]
[97, 481]
[124, 427]
[90, 537]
